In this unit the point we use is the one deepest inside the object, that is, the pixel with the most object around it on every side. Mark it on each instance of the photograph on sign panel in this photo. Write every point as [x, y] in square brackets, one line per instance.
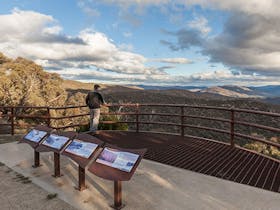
[55, 141]
[117, 159]
[35, 135]
[81, 148]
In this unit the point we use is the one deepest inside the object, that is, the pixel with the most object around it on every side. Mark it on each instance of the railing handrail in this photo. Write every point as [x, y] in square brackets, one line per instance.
[152, 104]
[180, 105]
[232, 121]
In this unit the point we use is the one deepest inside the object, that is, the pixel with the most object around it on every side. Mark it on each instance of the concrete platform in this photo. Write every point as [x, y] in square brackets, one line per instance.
[154, 186]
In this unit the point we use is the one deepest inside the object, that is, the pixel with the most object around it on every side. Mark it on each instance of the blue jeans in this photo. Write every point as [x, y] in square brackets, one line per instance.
[94, 119]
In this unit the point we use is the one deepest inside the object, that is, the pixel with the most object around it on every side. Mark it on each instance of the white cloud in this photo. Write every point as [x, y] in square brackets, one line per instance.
[201, 24]
[249, 43]
[88, 8]
[21, 25]
[224, 76]
[38, 37]
[173, 60]
[266, 8]
[52, 30]
[126, 47]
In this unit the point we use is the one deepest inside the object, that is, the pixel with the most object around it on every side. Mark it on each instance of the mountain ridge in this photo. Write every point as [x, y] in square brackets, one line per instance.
[235, 91]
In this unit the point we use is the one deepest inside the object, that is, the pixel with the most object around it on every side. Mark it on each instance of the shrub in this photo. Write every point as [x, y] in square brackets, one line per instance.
[105, 126]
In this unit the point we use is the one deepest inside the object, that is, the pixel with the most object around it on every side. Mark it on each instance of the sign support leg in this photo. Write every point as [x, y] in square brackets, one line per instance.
[56, 165]
[36, 159]
[82, 179]
[118, 195]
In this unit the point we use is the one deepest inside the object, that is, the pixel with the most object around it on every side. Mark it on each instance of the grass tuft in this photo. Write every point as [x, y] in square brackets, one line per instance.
[51, 196]
[26, 181]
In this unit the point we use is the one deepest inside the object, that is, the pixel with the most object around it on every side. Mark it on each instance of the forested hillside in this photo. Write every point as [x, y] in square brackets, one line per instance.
[24, 83]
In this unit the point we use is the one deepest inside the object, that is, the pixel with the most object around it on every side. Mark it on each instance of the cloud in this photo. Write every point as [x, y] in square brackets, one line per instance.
[39, 37]
[200, 24]
[264, 8]
[248, 43]
[223, 76]
[172, 60]
[267, 8]
[126, 47]
[185, 39]
[88, 8]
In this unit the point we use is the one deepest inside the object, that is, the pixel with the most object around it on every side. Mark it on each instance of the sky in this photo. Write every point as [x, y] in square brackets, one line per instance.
[147, 42]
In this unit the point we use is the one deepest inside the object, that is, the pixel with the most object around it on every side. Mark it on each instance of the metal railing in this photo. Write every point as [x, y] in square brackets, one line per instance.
[181, 118]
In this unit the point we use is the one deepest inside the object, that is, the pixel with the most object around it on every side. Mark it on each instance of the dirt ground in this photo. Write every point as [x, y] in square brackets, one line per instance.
[19, 193]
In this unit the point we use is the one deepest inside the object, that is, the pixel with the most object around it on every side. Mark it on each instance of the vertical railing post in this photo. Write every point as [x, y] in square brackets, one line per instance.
[182, 121]
[232, 127]
[48, 116]
[12, 120]
[137, 118]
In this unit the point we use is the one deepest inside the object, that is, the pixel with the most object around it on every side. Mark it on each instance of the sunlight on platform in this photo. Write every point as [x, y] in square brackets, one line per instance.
[154, 185]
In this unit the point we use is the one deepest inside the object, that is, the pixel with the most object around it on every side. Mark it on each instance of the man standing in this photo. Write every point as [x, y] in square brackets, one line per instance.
[94, 100]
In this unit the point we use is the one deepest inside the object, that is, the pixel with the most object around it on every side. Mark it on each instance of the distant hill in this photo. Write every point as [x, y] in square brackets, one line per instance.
[190, 88]
[234, 91]
[268, 91]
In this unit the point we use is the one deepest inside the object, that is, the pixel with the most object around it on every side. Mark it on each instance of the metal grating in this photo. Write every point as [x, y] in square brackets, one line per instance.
[203, 156]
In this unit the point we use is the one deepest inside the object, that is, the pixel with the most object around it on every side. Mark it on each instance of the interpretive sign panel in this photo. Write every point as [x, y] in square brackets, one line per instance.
[35, 135]
[55, 141]
[117, 159]
[81, 148]
[117, 164]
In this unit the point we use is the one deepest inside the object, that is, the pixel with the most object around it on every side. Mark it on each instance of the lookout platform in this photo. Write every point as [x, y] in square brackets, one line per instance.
[203, 156]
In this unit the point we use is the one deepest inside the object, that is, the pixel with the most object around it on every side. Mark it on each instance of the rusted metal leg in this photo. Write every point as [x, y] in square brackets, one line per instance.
[56, 165]
[36, 159]
[82, 179]
[118, 195]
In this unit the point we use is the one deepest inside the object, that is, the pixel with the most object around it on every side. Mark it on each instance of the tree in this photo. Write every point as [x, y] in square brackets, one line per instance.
[24, 83]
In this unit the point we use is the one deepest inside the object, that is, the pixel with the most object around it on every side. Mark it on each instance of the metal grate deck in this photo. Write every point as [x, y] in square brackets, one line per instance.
[202, 156]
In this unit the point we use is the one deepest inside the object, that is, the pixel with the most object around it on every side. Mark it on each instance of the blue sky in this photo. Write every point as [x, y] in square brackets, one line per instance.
[159, 42]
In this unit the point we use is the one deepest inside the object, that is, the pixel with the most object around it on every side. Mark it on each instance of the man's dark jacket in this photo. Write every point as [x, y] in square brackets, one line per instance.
[94, 100]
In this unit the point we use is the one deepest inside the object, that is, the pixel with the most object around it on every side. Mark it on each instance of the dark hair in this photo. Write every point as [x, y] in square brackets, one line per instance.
[96, 87]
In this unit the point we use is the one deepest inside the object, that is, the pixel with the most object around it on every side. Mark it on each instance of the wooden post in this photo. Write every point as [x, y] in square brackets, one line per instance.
[182, 121]
[82, 179]
[36, 159]
[56, 164]
[137, 118]
[49, 116]
[12, 120]
[232, 128]
[118, 195]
